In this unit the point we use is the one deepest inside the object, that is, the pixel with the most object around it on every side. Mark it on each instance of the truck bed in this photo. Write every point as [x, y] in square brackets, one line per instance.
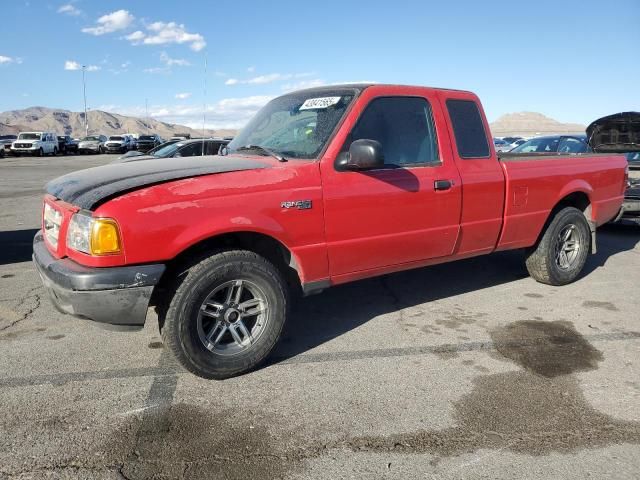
[530, 196]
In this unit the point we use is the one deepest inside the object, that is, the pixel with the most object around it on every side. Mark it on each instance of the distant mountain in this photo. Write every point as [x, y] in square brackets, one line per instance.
[528, 124]
[72, 123]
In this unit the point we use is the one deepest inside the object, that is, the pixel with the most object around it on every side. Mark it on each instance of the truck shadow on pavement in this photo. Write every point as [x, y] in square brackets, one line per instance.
[321, 318]
[16, 245]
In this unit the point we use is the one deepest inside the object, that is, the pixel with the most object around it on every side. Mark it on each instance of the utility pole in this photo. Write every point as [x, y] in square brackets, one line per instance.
[84, 93]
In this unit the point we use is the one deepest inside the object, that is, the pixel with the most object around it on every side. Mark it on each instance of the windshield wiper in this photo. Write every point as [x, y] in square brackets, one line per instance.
[266, 150]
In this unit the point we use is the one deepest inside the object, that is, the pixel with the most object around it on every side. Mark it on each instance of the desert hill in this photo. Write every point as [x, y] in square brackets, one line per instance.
[72, 123]
[529, 124]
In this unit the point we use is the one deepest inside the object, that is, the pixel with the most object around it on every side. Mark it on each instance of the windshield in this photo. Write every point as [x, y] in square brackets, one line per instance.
[90, 139]
[116, 138]
[167, 150]
[29, 136]
[154, 150]
[8, 137]
[147, 137]
[538, 145]
[297, 125]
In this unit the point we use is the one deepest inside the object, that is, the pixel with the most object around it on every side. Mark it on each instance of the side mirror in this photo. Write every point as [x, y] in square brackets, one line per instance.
[363, 155]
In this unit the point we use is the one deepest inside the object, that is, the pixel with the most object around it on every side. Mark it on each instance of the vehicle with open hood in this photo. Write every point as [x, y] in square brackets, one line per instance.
[620, 133]
[322, 187]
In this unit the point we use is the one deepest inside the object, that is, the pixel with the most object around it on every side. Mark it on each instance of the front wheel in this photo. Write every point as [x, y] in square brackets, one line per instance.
[226, 314]
[561, 253]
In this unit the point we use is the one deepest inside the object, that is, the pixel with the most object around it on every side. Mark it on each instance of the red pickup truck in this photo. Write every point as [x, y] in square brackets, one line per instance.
[323, 186]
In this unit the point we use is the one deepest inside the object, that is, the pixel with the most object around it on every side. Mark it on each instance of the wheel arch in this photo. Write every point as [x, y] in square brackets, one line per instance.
[262, 244]
[580, 199]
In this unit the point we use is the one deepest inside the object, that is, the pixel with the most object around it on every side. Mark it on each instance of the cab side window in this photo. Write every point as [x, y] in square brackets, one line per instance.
[468, 129]
[404, 127]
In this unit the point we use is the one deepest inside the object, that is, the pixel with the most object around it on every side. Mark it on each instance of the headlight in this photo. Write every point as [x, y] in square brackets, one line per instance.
[95, 236]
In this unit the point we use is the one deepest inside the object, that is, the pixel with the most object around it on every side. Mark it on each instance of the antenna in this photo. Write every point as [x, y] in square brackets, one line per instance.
[84, 94]
[204, 101]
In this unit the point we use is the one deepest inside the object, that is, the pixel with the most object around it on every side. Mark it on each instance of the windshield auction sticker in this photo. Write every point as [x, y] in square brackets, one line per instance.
[318, 103]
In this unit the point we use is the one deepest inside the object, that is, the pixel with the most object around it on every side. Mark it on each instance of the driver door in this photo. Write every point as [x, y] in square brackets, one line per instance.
[409, 210]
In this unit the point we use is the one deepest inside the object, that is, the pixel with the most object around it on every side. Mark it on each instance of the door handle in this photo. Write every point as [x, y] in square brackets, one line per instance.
[442, 184]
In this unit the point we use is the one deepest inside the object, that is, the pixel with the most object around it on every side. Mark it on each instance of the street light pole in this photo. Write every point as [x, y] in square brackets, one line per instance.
[84, 93]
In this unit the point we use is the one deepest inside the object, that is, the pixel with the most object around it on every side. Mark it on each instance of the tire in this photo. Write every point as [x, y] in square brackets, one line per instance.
[546, 261]
[101, 150]
[41, 153]
[55, 152]
[206, 343]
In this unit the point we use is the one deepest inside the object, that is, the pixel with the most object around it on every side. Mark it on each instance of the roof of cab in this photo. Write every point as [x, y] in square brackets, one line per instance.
[362, 86]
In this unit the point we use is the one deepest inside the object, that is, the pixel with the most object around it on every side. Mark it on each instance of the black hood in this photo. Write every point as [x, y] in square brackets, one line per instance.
[617, 133]
[87, 188]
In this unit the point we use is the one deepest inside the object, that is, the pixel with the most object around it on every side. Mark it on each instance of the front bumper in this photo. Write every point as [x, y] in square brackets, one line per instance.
[92, 147]
[115, 295]
[24, 149]
[114, 148]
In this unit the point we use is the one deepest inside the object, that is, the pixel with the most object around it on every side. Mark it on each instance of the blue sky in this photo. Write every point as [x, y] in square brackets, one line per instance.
[571, 60]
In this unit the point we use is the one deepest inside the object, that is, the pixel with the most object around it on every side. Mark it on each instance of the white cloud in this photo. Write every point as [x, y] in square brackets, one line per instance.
[226, 113]
[183, 96]
[112, 22]
[290, 87]
[70, 10]
[161, 33]
[157, 70]
[170, 62]
[269, 78]
[251, 69]
[135, 37]
[4, 60]
[73, 65]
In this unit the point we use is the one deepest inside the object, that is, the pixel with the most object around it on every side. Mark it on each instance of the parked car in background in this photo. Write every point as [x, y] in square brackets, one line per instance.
[148, 142]
[517, 143]
[511, 139]
[92, 144]
[181, 136]
[66, 144]
[185, 148]
[501, 145]
[561, 144]
[633, 159]
[5, 143]
[133, 141]
[35, 143]
[137, 153]
[118, 144]
[620, 133]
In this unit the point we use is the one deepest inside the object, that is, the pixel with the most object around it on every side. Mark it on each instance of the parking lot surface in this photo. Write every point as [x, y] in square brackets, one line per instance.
[463, 370]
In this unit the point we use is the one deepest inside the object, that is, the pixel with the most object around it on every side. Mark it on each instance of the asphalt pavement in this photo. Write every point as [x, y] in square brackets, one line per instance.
[465, 370]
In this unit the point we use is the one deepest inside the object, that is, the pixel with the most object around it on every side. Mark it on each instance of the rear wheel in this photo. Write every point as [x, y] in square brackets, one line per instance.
[561, 253]
[55, 151]
[41, 152]
[226, 314]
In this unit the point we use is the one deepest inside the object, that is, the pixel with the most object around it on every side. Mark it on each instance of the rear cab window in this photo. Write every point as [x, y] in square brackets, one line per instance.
[468, 129]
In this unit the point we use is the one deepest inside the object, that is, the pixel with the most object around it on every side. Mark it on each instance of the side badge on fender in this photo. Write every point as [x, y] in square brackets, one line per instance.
[299, 204]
